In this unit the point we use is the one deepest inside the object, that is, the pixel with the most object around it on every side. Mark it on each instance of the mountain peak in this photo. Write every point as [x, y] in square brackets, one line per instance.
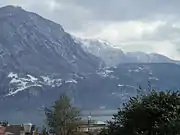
[25, 35]
[11, 9]
[15, 14]
[113, 56]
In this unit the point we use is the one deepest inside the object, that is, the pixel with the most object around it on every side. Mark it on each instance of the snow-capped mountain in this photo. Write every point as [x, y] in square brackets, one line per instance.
[113, 56]
[102, 49]
[28, 41]
[38, 58]
[30, 44]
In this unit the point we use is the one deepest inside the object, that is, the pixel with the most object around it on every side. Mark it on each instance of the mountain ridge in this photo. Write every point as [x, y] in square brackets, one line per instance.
[30, 44]
[113, 56]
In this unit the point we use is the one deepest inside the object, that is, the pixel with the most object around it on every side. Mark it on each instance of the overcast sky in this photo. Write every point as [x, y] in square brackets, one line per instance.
[144, 25]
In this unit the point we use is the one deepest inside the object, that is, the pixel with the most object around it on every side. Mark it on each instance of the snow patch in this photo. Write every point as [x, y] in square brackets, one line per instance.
[71, 81]
[22, 88]
[109, 71]
[102, 107]
[12, 75]
[18, 83]
[121, 85]
[153, 78]
[106, 73]
[136, 70]
[32, 78]
[51, 82]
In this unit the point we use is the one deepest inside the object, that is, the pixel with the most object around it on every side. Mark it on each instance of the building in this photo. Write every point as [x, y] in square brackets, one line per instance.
[92, 127]
[17, 129]
[2, 130]
[14, 130]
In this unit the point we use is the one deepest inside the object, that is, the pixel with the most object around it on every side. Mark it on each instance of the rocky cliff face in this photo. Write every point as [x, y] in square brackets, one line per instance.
[32, 45]
[28, 41]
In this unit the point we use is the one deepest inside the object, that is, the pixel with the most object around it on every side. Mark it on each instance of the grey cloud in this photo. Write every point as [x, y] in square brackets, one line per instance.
[165, 32]
[127, 9]
[76, 15]
[69, 15]
[71, 18]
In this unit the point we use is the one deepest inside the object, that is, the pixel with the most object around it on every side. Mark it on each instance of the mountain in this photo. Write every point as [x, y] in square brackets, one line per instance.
[115, 85]
[113, 56]
[37, 56]
[141, 57]
[108, 87]
[32, 45]
[39, 60]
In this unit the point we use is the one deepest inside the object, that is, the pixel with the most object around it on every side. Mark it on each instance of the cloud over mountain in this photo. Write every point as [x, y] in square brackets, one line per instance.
[146, 25]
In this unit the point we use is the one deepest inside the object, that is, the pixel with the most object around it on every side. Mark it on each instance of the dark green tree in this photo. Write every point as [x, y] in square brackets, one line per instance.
[44, 131]
[62, 118]
[155, 113]
[4, 123]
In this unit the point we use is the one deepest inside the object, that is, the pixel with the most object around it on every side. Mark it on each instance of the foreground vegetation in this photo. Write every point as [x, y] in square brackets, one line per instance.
[62, 118]
[155, 113]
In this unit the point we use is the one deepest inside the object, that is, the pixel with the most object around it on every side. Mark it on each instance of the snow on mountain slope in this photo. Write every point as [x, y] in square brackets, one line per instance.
[102, 49]
[31, 45]
[19, 83]
[113, 56]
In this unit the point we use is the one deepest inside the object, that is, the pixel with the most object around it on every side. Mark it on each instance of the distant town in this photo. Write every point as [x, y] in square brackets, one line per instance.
[31, 129]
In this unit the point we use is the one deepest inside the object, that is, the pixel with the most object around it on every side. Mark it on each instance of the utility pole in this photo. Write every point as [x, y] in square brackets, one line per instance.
[89, 121]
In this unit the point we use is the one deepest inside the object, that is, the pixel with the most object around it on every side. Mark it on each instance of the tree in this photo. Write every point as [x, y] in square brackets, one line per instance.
[62, 118]
[155, 113]
[4, 123]
[44, 131]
